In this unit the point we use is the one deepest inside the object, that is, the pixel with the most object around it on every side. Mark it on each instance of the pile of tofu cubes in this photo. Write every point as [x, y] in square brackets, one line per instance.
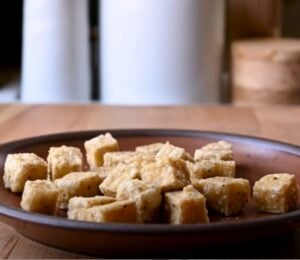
[155, 183]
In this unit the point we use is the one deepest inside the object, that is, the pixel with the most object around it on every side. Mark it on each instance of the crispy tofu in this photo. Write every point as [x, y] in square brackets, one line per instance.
[211, 168]
[224, 194]
[112, 159]
[40, 196]
[84, 184]
[103, 171]
[20, 167]
[185, 207]
[221, 150]
[166, 175]
[225, 155]
[97, 147]
[147, 198]
[129, 189]
[276, 193]
[120, 211]
[128, 157]
[220, 145]
[150, 148]
[117, 175]
[171, 152]
[88, 202]
[63, 160]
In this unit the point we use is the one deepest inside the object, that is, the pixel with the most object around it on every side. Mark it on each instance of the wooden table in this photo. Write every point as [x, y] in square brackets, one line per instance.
[19, 121]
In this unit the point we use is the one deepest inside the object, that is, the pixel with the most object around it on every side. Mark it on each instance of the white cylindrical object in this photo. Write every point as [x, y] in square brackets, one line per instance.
[161, 52]
[56, 65]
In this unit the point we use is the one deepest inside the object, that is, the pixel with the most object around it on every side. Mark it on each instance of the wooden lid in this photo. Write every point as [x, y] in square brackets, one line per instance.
[274, 50]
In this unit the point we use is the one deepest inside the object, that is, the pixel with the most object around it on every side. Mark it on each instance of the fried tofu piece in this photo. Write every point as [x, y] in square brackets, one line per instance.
[129, 189]
[82, 214]
[97, 147]
[221, 150]
[84, 184]
[185, 207]
[220, 145]
[103, 171]
[224, 194]
[112, 159]
[128, 157]
[117, 175]
[150, 148]
[147, 198]
[40, 196]
[276, 193]
[171, 152]
[88, 202]
[225, 155]
[20, 167]
[166, 175]
[63, 160]
[211, 168]
[120, 211]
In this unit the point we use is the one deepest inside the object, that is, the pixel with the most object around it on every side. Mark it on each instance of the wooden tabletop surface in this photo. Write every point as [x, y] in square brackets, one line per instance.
[18, 121]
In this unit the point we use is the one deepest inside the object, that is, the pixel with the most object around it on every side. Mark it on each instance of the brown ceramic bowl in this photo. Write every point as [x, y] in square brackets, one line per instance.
[255, 158]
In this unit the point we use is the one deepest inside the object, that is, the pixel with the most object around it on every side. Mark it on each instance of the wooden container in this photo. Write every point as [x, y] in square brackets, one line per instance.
[266, 71]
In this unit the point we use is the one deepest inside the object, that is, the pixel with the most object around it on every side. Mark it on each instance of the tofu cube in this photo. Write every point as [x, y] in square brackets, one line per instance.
[111, 159]
[40, 196]
[225, 155]
[97, 147]
[220, 145]
[146, 197]
[84, 184]
[63, 160]
[221, 150]
[103, 171]
[149, 148]
[117, 175]
[276, 193]
[211, 168]
[120, 211]
[82, 214]
[224, 194]
[171, 152]
[185, 207]
[166, 175]
[20, 167]
[129, 189]
[128, 157]
[79, 203]
[88, 202]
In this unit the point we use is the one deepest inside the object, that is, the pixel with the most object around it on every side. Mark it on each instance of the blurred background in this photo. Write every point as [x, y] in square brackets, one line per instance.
[150, 51]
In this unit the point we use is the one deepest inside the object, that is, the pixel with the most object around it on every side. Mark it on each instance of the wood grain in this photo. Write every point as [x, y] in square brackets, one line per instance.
[18, 121]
